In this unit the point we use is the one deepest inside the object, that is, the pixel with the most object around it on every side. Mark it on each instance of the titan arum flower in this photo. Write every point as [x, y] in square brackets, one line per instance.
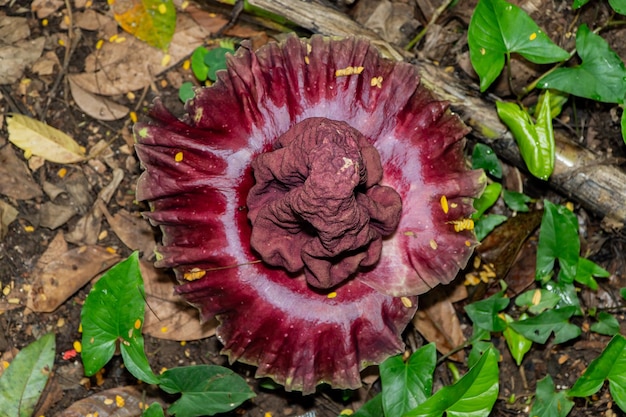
[306, 199]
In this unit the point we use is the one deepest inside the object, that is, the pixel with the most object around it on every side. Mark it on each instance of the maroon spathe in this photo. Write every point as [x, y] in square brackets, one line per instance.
[305, 200]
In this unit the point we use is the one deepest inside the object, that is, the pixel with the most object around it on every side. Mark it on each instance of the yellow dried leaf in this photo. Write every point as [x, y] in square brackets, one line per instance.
[43, 140]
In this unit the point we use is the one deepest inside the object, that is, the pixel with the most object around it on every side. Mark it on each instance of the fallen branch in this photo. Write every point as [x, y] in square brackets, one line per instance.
[579, 173]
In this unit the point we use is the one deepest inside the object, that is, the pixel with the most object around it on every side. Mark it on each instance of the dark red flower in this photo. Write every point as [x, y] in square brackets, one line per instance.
[305, 200]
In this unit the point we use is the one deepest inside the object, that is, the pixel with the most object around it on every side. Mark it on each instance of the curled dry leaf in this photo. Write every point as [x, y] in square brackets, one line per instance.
[8, 213]
[15, 179]
[168, 316]
[115, 402]
[98, 107]
[58, 279]
[43, 140]
[135, 232]
[16, 50]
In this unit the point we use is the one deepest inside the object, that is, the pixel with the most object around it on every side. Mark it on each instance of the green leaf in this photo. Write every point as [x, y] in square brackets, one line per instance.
[186, 91]
[611, 365]
[474, 394]
[407, 384]
[607, 324]
[623, 125]
[535, 140]
[586, 270]
[558, 239]
[517, 343]
[372, 408]
[483, 157]
[516, 201]
[155, 410]
[556, 102]
[23, 381]
[486, 224]
[479, 347]
[618, 5]
[199, 68]
[205, 389]
[539, 328]
[622, 292]
[484, 313]
[579, 3]
[548, 402]
[113, 312]
[215, 59]
[601, 76]
[499, 28]
[487, 199]
[537, 300]
[152, 21]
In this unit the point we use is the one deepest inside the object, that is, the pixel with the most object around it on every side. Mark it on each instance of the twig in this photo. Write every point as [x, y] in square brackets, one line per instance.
[431, 22]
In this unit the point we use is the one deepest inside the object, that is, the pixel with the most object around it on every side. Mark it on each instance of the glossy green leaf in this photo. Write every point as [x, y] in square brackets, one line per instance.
[479, 346]
[205, 389]
[577, 4]
[24, 380]
[498, 28]
[607, 324]
[601, 76]
[517, 343]
[539, 328]
[611, 365]
[155, 410]
[548, 402]
[619, 6]
[558, 239]
[483, 157]
[557, 100]
[186, 91]
[487, 199]
[485, 313]
[407, 384]
[516, 201]
[372, 408]
[473, 395]
[587, 270]
[622, 292]
[199, 68]
[486, 224]
[566, 291]
[215, 59]
[537, 300]
[113, 313]
[535, 140]
[623, 125]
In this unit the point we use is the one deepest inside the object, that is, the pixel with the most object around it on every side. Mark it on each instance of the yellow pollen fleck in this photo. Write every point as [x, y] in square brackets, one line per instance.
[88, 4]
[178, 157]
[133, 116]
[476, 263]
[348, 71]
[444, 204]
[29, 229]
[130, 95]
[120, 39]
[186, 64]
[78, 347]
[483, 51]
[194, 274]
[110, 2]
[5, 364]
[454, 205]
[184, 5]
[448, 69]
[62, 172]
[409, 233]
[183, 342]
[113, 38]
[406, 301]
[99, 44]
[569, 205]
[111, 250]
[468, 243]
[61, 42]
[267, 414]
[130, 333]
[332, 294]
[28, 153]
[162, 8]
[533, 36]
[433, 244]
[44, 22]
[108, 401]
[306, 60]
[163, 329]
[137, 324]
[462, 224]
[377, 82]
[536, 297]
[166, 60]
[346, 412]
[471, 280]
[66, 20]
[162, 370]
[309, 48]
[119, 401]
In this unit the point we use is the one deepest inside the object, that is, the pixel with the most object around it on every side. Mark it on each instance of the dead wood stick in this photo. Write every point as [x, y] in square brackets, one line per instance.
[579, 173]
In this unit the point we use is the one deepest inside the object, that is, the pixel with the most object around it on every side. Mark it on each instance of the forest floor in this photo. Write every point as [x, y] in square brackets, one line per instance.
[75, 220]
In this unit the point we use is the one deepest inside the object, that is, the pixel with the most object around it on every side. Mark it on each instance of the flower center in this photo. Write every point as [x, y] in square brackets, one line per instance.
[317, 205]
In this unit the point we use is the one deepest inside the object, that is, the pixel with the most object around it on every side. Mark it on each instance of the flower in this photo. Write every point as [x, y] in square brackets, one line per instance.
[305, 200]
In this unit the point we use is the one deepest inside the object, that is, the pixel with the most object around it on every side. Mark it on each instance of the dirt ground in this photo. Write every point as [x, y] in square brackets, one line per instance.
[84, 215]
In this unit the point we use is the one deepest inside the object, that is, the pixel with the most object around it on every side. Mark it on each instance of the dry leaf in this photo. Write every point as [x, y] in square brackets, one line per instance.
[8, 214]
[135, 232]
[17, 56]
[43, 140]
[54, 216]
[437, 321]
[107, 403]
[56, 281]
[45, 8]
[98, 107]
[13, 29]
[168, 316]
[131, 65]
[15, 179]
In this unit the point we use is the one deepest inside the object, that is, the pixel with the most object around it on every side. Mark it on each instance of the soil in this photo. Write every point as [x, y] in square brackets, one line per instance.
[42, 91]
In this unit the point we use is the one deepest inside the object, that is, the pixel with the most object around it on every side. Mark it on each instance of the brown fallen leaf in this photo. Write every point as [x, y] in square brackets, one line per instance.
[437, 321]
[98, 107]
[115, 402]
[8, 214]
[15, 179]
[56, 281]
[37, 138]
[45, 8]
[135, 232]
[168, 316]
[17, 51]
